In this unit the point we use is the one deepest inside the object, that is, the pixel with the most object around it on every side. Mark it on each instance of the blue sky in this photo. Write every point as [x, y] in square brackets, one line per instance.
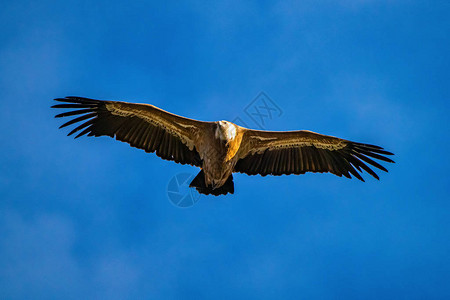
[91, 218]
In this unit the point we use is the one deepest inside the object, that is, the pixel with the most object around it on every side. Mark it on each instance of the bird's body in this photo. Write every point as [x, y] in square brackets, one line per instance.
[219, 153]
[221, 148]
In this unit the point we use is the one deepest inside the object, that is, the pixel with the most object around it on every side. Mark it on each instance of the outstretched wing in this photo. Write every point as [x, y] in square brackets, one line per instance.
[142, 126]
[298, 152]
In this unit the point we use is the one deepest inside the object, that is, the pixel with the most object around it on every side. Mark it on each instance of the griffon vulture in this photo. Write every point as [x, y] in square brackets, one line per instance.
[220, 148]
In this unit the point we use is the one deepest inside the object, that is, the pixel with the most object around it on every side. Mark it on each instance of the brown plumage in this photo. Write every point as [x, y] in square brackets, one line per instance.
[220, 148]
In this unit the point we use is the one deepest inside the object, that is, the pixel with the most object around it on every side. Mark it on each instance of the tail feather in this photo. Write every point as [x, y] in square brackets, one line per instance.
[202, 188]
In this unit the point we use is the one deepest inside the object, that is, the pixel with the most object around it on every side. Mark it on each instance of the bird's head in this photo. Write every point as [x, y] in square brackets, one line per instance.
[225, 131]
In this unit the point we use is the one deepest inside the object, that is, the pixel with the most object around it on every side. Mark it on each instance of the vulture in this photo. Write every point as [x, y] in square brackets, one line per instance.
[220, 148]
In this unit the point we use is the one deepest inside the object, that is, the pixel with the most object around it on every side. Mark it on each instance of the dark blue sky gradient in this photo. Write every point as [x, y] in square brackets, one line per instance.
[91, 219]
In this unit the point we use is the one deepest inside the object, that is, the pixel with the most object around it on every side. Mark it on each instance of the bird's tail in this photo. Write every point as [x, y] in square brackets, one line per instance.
[202, 188]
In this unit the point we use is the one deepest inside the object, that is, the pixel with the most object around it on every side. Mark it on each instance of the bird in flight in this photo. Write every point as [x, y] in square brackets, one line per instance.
[220, 148]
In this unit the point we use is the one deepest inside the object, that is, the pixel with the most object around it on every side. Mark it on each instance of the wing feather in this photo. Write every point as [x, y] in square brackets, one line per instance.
[142, 126]
[298, 152]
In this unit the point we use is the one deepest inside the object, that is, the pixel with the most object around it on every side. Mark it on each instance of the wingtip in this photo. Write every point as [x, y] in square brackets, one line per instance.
[72, 132]
[382, 168]
[68, 98]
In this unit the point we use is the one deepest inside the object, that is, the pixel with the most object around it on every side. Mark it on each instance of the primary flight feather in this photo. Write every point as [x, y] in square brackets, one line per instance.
[220, 148]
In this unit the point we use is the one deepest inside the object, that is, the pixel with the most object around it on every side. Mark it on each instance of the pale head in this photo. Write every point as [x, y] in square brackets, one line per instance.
[225, 131]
